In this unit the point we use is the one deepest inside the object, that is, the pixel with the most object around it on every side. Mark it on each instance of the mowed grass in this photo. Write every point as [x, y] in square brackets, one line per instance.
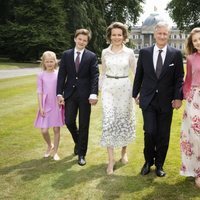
[14, 65]
[25, 174]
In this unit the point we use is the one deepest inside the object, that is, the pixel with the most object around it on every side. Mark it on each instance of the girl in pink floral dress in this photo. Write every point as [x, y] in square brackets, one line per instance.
[49, 113]
[190, 130]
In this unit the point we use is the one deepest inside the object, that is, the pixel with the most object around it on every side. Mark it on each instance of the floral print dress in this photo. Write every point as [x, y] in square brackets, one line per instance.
[190, 129]
[117, 101]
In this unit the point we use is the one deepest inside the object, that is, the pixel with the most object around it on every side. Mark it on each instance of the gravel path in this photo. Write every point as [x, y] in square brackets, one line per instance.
[18, 72]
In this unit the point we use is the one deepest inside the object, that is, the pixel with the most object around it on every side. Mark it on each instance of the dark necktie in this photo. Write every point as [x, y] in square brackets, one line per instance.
[77, 61]
[159, 64]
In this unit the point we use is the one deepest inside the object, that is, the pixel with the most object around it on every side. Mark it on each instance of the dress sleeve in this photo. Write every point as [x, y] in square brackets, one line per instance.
[103, 70]
[188, 79]
[39, 83]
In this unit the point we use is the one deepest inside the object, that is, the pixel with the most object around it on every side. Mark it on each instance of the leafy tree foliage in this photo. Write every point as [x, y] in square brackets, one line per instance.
[97, 15]
[185, 13]
[32, 27]
[27, 28]
[89, 16]
[123, 11]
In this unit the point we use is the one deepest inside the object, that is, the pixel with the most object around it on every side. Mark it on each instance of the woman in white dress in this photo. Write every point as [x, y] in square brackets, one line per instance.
[116, 87]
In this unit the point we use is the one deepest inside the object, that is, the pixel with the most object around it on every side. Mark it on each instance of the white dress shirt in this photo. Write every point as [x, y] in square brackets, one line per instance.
[155, 54]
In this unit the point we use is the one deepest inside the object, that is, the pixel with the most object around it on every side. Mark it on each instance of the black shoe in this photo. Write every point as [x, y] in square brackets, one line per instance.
[76, 149]
[160, 172]
[145, 169]
[81, 160]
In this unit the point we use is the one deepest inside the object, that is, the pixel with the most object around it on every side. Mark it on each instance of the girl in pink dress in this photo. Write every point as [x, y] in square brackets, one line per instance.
[190, 130]
[50, 114]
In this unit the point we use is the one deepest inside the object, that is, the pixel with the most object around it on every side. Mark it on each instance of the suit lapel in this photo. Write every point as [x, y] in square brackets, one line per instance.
[71, 60]
[152, 65]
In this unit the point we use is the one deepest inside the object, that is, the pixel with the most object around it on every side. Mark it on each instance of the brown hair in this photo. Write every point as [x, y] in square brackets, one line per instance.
[50, 54]
[119, 25]
[189, 47]
[83, 32]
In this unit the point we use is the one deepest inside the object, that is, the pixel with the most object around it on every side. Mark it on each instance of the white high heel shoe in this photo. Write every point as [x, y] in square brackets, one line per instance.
[56, 157]
[48, 152]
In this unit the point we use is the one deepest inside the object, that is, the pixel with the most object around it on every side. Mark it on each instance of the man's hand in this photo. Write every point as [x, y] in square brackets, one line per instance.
[176, 104]
[93, 101]
[60, 100]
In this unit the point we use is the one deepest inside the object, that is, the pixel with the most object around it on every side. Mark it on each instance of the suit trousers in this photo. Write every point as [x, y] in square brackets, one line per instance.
[78, 106]
[157, 125]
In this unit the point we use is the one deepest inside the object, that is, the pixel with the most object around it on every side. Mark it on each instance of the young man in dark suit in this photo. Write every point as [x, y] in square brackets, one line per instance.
[157, 89]
[78, 84]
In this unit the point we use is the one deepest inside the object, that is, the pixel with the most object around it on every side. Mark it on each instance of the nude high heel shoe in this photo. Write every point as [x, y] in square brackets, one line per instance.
[124, 159]
[110, 168]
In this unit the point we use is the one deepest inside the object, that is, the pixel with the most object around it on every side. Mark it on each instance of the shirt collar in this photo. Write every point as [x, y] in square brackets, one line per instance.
[164, 48]
[76, 50]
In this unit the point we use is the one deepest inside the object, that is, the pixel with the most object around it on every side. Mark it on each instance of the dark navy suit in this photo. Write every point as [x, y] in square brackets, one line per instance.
[155, 100]
[76, 88]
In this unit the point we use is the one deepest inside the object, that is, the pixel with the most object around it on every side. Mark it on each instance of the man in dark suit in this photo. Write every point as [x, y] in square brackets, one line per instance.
[78, 84]
[157, 89]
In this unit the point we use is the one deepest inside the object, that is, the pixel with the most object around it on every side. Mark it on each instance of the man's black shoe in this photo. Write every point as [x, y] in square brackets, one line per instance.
[160, 172]
[145, 169]
[81, 160]
[76, 149]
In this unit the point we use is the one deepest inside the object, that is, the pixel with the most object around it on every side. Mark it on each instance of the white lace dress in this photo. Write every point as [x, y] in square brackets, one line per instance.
[117, 101]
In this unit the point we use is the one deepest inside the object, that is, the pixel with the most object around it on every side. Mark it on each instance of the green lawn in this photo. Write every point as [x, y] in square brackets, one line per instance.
[6, 64]
[26, 175]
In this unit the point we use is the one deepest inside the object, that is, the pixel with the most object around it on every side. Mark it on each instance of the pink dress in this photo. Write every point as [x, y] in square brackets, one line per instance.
[54, 115]
[190, 129]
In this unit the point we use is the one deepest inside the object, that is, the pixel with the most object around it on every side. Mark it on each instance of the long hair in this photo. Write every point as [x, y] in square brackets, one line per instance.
[189, 47]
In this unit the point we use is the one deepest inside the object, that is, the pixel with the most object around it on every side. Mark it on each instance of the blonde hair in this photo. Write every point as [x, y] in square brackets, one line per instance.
[189, 47]
[119, 25]
[50, 54]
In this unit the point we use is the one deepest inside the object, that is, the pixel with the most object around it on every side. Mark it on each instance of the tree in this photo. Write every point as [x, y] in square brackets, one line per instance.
[89, 16]
[123, 11]
[32, 27]
[27, 28]
[97, 15]
[185, 13]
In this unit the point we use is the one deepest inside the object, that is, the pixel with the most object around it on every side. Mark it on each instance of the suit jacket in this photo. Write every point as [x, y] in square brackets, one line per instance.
[85, 81]
[168, 86]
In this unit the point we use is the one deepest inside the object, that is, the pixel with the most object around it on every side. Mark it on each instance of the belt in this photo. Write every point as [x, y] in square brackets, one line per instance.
[116, 77]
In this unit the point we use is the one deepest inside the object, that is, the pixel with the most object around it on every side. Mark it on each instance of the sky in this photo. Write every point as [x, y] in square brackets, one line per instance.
[148, 8]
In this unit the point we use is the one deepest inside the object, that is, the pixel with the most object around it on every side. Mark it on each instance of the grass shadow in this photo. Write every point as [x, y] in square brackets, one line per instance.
[33, 169]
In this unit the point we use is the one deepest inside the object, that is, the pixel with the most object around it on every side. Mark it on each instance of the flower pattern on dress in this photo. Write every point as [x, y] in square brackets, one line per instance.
[197, 171]
[186, 147]
[185, 114]
[117, 102]
[190, 135]
[198, 158]
[196, 124]
[196, 105]
[118, 129]
[183, 167]
[190, 97]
